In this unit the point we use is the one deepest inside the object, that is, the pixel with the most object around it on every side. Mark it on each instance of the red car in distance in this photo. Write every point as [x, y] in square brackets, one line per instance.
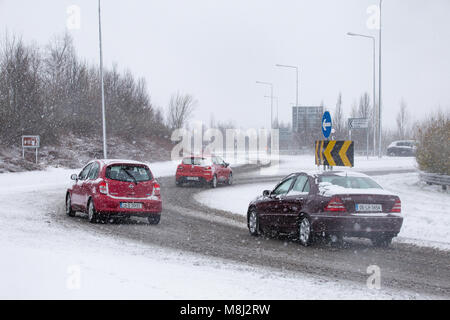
[115, 188]
[210, 170]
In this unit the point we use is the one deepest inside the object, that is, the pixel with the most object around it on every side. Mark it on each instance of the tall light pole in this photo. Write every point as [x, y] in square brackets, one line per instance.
[374, 84]
[271, 100]
[276, 99]
[105, 152]
[297, 88]
[379, 91]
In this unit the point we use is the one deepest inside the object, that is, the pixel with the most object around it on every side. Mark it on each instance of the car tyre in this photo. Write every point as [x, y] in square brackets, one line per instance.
[305, 235]
[230, 179]
[214, 182]
[381, 241]
[92, 213]
[154, 220]
[253, 223]
[69, 210]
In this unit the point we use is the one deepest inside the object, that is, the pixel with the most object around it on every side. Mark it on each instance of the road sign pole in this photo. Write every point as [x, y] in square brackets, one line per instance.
[367, 131]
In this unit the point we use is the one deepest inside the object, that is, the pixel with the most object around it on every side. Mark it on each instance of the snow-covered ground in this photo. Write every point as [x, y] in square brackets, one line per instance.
[427, 218]
[289, 164]
[42, 258]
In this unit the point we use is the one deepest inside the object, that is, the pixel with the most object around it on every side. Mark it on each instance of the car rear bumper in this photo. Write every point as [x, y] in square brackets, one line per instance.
[356, 226]
[184, 178]
[107, 205]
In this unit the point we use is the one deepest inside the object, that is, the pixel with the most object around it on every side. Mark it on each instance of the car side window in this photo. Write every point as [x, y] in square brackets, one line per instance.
[84, 173]
[299, 185]
[283, 188]
[307, 187]
[220, 161]
[93, 174]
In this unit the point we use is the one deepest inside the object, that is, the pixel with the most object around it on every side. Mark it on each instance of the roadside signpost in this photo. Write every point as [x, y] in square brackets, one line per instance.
[335, 153]
[359, 123]
[31, 142]
[327, 125]
[332, 153]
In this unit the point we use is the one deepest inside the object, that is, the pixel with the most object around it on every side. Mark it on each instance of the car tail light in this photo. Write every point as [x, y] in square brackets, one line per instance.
[156, 189]
[335, 205]
[207, 168]
[397, 206]
[180, 168]
[103, 187]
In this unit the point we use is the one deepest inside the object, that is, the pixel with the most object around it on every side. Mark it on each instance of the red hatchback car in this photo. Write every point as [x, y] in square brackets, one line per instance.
[207, 170]
[115, 188]
[331, 204]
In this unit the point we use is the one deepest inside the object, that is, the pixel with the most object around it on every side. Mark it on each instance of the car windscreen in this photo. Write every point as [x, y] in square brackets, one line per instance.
[350, 182]
[128, 173]
[197, 161]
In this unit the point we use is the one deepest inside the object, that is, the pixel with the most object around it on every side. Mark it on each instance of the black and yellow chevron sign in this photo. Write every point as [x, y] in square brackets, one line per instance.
[335, 153]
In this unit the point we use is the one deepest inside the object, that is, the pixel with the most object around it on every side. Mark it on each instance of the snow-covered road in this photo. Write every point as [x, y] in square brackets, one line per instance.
[42, 258]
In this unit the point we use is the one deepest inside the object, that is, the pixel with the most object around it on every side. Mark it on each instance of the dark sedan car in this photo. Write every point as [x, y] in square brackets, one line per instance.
[402, 149]
[330, 204]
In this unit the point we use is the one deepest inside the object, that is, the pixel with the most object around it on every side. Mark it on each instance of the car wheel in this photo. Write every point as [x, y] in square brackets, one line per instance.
[214, 182]
[177, 183]
[230, 179]
[92, 214]
[253, 223]
[154, 220]
[69, 210]
[382, 241]
[304, 231]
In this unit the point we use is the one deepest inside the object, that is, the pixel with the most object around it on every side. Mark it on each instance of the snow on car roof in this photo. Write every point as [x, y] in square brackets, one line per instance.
[113, 161]
[343, 173]
[328, 189]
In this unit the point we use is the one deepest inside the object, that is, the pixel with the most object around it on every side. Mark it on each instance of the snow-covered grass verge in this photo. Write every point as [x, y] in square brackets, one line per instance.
[427, 218]
[42, 258]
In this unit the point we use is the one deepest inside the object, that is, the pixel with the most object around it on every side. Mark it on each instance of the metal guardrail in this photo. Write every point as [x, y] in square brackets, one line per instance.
[433, 178]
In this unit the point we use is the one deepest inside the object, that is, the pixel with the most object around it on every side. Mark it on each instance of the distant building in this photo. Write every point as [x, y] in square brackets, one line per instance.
[305, 119]
[306, 124]
[285, 138]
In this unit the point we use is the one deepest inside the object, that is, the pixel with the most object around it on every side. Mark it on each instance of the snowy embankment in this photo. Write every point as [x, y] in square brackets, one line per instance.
[43, 257]
[427, 218]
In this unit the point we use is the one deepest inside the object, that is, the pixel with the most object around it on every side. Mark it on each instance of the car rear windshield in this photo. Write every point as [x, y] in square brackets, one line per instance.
[197, 161]
[351, 182]
[128, 173]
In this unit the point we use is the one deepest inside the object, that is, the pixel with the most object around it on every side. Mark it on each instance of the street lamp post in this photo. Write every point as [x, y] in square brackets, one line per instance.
[105, 152]
[271, 100]
[297, 84]
[379, 90]
[374, 84]
[276, 99]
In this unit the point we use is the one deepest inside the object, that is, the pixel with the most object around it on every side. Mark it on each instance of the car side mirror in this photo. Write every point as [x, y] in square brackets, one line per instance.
[266, 193]
[74, 177]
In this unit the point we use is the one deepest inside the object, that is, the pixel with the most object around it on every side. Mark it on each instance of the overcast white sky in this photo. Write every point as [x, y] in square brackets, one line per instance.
[217, 49]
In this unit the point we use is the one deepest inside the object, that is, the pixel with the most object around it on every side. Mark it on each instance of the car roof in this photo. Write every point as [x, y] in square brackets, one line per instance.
[329, 173]
[108, 162]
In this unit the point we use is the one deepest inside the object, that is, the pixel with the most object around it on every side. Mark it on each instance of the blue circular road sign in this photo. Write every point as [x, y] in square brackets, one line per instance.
[326, 124]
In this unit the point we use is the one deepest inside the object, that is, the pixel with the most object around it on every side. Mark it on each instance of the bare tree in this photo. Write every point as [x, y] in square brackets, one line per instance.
[181, 107]
[364, 109]
[338, 118]
[402, 120]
